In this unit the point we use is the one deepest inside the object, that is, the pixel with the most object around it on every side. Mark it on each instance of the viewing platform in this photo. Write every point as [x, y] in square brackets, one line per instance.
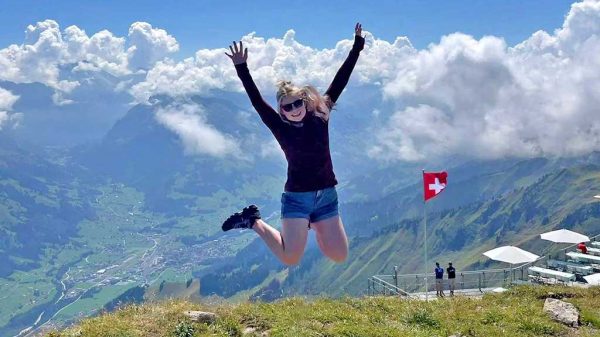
[566, 266]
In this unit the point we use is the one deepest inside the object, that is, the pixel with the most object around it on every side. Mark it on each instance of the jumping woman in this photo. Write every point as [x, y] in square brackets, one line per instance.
[300, 126]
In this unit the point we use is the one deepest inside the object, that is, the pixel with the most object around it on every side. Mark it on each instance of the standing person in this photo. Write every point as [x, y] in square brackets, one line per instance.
[439, 280]
[300, 124]
[582, 247]
[451, 278]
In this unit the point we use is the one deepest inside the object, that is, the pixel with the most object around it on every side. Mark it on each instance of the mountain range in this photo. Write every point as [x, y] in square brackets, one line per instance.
[91, 218]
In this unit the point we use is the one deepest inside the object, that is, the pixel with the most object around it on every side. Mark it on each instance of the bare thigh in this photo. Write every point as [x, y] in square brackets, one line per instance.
[331, 238]
[294, 233]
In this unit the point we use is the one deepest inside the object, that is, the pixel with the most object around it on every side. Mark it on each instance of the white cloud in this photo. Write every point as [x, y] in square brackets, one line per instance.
[35, 60]
[101, 52]
[58, 99]
[270, 60]
[7, 99]
[188, 122]
[467, 96]
[46, 52]
[481, 98]
[148, 45]
[181, 79]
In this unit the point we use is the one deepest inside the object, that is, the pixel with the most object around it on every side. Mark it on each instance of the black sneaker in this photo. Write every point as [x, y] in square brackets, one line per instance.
[245, 219]
[252, 213]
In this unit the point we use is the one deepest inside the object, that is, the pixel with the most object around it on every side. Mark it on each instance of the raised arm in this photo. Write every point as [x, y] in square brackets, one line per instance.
[268, 115]
[343, 75]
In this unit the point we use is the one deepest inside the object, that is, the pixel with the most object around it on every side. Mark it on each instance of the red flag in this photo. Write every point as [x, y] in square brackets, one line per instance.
[434, 183]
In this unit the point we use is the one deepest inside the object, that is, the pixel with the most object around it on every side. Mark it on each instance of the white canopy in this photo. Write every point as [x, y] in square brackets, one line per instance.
[593, 279]
[511, 254]
[564, 236]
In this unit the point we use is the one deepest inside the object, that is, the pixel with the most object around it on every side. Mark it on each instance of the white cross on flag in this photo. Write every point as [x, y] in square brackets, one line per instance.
[434, 183]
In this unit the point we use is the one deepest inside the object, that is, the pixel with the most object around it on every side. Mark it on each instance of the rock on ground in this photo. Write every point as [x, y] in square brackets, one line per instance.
[561, 311]
[201, 316]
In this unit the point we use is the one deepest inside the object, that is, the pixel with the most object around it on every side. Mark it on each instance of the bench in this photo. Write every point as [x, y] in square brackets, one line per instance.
[594, 251]
[542, 280]
[550, 273]
[587, 258]
[571, 267]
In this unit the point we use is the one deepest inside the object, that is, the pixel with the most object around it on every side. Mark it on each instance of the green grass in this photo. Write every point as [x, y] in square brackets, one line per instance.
[517, 312]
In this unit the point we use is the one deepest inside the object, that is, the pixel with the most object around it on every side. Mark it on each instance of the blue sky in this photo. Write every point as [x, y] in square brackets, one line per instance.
[212, 24]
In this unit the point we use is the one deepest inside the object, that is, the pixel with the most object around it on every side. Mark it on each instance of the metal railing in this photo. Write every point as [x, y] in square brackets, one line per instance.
[408, 285]
[378, 286]
[467, 280]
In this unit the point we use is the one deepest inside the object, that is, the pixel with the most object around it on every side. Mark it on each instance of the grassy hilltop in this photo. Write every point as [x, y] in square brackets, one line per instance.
[517, 312]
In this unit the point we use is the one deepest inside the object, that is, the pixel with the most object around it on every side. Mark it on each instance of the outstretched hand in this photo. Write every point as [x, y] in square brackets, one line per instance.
[238, 56]
[358, 29]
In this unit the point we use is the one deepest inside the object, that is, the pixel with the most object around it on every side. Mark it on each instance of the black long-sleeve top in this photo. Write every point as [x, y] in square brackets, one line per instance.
[306, 148]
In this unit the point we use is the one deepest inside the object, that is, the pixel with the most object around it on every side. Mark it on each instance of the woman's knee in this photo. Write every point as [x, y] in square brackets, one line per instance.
[291, 259]
[338, 255]
[337, 252]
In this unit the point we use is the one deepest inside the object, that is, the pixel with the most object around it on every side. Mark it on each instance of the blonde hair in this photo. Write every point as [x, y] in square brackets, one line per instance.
[320, 105]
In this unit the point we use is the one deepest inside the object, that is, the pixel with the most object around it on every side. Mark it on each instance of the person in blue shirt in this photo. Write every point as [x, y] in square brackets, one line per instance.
[439, 280]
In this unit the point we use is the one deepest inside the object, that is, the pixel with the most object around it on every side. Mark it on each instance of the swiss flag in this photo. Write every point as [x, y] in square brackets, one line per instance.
[434, 183]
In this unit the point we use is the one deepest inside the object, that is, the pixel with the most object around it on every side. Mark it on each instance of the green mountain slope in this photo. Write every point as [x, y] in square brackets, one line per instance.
[468, 183]
[472, 186]
[561, 199]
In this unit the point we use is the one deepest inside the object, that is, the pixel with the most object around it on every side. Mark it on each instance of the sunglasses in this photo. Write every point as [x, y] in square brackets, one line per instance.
[294, 105]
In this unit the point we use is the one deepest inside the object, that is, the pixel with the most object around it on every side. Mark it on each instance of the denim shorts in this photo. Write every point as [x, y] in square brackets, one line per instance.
[314, 205]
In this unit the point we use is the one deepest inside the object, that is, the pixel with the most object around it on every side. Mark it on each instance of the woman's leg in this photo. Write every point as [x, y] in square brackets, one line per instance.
[288, 245]
[331, 238]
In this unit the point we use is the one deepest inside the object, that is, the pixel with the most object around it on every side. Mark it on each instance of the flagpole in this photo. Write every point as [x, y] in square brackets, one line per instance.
[425, 243]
